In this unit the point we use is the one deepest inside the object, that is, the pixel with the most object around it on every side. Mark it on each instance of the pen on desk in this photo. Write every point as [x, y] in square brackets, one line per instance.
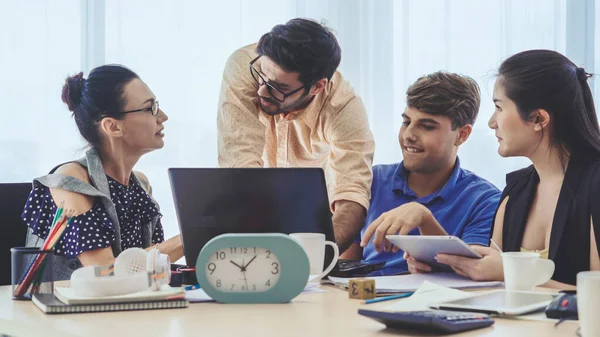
[175, 297]
[192, 287]
[387, 298]
[495, 245]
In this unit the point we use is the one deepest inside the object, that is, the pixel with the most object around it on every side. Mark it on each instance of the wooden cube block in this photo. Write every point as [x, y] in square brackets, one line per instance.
[363, 289]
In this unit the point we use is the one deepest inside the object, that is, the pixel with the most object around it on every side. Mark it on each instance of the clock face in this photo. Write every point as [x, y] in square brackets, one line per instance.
[243, 269]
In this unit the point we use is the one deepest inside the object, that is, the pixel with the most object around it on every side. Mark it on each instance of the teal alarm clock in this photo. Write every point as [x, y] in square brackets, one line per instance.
[252, 268]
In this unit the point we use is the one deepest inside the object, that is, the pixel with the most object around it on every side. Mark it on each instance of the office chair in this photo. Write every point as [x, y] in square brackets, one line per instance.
[12, 201]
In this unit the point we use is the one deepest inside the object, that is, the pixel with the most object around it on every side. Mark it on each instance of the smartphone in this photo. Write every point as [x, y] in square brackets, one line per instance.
[350, 268]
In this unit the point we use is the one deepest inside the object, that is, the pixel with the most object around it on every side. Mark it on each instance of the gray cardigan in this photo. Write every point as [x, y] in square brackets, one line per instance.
[98, 188]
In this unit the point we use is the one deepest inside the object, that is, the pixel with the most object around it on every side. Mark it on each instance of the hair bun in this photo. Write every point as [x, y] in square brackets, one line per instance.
[582, 75]
[72, 90]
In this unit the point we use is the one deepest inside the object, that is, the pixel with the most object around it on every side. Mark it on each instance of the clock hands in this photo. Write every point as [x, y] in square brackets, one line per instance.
[244, 272]
[246, 266]
[237, 265]
[243, 269]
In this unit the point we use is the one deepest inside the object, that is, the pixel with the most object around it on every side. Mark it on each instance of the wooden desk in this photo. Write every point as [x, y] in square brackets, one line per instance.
[311, 315]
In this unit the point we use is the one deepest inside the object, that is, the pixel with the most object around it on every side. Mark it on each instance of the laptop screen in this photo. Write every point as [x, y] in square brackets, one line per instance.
[214, 201]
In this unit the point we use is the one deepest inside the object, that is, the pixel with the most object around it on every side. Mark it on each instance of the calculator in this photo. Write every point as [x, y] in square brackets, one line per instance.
[439, 321]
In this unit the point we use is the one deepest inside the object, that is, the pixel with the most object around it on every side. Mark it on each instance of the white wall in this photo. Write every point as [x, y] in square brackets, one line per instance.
[179, 48]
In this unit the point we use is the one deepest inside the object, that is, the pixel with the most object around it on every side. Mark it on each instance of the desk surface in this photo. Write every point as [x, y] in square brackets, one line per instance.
[313, 314]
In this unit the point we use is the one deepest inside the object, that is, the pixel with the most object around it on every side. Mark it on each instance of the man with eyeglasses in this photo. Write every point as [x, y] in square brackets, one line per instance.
[283, 104]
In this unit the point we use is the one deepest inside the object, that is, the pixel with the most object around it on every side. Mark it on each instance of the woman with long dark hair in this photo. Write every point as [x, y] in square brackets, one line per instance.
[545, 112]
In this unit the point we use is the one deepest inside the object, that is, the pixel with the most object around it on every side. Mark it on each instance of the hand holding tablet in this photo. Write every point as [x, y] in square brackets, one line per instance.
[424, 248]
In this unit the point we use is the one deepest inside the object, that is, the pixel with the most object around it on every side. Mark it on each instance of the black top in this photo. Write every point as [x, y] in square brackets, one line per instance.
[570, 237]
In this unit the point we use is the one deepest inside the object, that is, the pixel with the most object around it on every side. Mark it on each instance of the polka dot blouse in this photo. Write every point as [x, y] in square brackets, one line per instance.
[93, 229]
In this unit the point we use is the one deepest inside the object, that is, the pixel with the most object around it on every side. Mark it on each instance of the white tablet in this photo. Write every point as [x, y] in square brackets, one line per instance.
[502, 302]
[424, 248]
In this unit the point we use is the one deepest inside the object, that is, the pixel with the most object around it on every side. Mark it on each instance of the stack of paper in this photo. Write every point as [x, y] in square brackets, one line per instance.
[412, 282]
[197, 296]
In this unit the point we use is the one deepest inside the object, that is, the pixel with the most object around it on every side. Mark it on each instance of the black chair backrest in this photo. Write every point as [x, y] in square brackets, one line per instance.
[12, 201]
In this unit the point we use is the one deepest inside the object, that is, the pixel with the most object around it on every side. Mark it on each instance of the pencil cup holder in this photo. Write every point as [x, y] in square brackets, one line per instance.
[31, 272]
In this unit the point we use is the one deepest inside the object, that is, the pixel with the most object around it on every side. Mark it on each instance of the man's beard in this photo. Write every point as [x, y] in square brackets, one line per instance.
[275, 107]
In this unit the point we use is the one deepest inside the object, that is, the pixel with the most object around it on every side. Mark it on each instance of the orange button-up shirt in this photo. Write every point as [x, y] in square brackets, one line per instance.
[332, 132]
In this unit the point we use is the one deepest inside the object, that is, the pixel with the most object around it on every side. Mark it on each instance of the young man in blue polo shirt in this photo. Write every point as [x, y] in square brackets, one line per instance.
[428, 193]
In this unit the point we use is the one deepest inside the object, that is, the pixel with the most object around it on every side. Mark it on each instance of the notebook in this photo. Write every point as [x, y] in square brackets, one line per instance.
[49, 304]
[69, 296]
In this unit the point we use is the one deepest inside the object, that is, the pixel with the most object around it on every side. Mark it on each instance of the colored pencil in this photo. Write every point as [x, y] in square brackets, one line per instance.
[34, 272]
[388, 298]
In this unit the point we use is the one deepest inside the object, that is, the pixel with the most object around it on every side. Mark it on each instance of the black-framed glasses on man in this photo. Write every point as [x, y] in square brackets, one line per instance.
[276, 93]
[153, 108]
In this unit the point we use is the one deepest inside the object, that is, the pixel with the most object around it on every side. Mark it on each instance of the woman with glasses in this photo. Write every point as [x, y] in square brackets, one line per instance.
[119, 116]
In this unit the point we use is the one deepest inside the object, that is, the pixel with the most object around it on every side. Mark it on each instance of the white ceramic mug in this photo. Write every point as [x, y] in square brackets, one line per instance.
[525, 270]
[314, 245]
[588, 302]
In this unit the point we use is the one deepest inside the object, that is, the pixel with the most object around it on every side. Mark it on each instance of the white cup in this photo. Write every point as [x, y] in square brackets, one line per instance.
[588, 302]
[314, 245]
[525, 270]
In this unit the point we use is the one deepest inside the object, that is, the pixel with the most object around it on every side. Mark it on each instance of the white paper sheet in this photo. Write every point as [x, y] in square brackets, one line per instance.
[427, 294]
[412, 282]
[199, 295]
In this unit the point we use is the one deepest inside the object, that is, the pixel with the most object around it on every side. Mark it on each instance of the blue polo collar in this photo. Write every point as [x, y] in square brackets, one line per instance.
[400, 184]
